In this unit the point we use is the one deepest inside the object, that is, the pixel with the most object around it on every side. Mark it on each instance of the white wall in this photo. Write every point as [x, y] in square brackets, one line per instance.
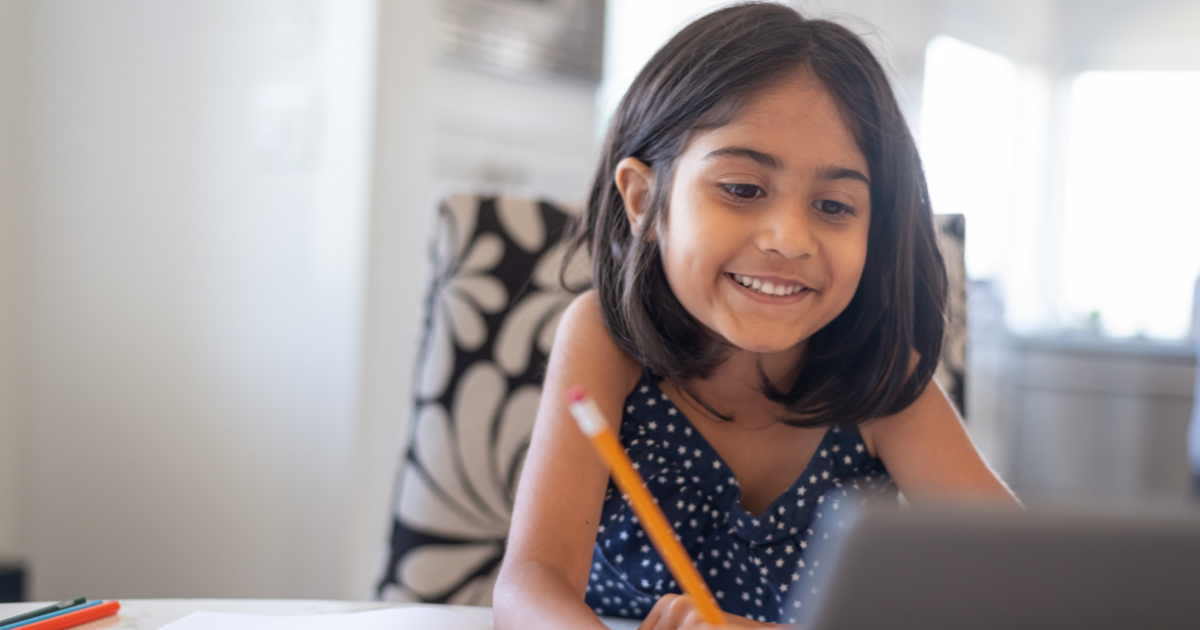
[1122, 35]
[197, 188]
[216, 387]
[518, 136]
[9, 427]
[402, 209]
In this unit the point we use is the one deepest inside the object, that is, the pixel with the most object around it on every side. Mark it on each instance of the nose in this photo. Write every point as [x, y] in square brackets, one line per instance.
[787, 230]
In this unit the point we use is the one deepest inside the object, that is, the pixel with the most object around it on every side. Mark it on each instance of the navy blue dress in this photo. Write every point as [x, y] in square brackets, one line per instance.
[757, 566]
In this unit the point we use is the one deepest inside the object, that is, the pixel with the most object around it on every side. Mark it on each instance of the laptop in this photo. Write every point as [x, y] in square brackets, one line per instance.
[943, 569]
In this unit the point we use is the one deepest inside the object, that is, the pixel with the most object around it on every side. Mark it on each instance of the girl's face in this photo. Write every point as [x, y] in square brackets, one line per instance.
[778, 199]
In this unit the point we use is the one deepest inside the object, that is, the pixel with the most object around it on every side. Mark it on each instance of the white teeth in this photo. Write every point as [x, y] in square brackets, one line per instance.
[768, 288]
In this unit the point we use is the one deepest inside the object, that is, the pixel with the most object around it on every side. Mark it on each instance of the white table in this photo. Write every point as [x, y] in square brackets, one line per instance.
[151, 614]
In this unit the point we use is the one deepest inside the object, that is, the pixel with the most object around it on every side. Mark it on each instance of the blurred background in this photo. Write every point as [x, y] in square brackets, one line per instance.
[214, 226]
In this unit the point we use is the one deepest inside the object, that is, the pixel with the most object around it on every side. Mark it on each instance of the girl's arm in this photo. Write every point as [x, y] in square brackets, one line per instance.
[561, 491]
[928, 453]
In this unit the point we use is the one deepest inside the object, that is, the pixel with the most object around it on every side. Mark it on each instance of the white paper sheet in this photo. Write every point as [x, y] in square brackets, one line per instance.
[405, 618]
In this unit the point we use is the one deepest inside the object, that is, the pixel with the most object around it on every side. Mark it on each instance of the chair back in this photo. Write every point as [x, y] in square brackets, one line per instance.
[952, 368]
[490, 317]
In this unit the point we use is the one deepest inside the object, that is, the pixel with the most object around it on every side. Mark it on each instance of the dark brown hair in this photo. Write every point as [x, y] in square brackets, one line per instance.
[859, 365]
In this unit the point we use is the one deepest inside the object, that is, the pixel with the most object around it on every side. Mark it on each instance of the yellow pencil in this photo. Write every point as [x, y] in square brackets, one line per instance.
[591, 421]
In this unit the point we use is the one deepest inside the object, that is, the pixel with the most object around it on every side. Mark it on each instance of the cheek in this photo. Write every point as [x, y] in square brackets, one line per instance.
[850, 263]
[683, 240]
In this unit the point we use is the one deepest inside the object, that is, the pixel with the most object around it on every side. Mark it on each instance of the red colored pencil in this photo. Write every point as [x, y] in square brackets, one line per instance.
[77, 618]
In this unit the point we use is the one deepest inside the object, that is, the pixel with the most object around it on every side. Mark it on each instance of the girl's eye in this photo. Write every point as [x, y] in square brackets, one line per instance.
[743, 191]
[833, 208]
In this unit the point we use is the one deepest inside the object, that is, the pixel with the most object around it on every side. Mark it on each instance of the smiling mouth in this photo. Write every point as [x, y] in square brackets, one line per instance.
[767, 288]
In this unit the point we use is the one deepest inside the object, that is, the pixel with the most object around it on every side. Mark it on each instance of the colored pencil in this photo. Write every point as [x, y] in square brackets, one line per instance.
[28, 623]
[46, 610]
[38, 619]
[591, 421]
[76, 617]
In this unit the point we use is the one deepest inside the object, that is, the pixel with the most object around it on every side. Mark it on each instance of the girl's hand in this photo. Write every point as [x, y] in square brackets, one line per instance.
[676, 612]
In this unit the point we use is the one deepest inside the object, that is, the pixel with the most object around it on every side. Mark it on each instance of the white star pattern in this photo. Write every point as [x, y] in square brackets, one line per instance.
[751, 566]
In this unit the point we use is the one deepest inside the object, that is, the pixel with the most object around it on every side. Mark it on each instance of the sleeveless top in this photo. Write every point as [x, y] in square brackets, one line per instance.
[756, 566]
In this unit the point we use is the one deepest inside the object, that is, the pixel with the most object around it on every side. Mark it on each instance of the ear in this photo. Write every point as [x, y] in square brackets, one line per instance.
[635, 179]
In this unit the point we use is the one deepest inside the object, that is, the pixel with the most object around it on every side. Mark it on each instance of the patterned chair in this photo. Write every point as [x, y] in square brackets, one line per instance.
[490, 319]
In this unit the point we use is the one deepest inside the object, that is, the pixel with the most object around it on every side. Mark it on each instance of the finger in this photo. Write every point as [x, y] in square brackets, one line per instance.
[658, 613]
[681, 613]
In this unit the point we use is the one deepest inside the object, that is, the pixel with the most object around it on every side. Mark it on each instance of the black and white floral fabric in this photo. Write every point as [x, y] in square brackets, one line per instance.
[491, 315]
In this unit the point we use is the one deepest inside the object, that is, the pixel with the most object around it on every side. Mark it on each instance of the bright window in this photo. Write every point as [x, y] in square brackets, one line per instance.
[1131, 232]
[968, 144]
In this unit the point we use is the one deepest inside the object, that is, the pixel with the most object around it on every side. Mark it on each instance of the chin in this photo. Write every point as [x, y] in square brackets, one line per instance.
[762, 346]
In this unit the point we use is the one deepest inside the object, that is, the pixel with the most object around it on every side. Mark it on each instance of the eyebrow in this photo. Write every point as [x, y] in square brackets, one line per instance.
[772, 162]
[766, 159]
[834, 173]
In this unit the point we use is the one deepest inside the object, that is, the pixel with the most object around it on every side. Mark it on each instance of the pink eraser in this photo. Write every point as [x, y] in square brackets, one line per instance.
[575, 393]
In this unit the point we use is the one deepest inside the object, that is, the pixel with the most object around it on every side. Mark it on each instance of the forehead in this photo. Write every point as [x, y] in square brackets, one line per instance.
[797, 120]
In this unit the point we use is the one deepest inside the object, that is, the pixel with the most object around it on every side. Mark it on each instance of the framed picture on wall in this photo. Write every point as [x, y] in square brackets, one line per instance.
[555, 39]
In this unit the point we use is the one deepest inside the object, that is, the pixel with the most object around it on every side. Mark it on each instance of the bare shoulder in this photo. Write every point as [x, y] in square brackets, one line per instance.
[932, 409]
[930, 455]
[586, 354]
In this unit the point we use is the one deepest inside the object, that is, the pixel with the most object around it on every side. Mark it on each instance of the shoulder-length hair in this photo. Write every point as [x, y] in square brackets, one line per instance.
[860, 365]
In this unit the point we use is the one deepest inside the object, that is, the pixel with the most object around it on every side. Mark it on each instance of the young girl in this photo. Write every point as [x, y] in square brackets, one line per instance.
[765, 319]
